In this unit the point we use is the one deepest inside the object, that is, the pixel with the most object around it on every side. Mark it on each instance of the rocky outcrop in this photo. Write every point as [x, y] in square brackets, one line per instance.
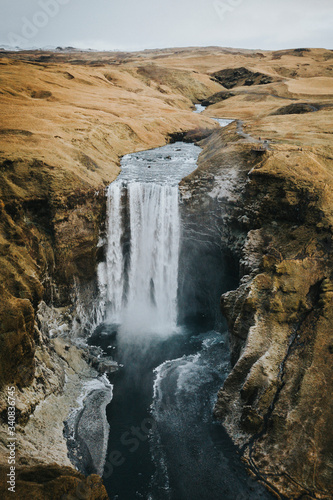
[62, 378]
[87, 431]
[238, 77]
[48, 237]
[17, 338]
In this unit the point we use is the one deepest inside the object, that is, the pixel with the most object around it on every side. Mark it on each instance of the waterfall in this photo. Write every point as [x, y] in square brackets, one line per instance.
[139, 279]
[138, 282]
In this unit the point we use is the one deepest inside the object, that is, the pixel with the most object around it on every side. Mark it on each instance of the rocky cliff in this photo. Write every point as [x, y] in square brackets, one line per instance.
[277, 400]
[276, 216]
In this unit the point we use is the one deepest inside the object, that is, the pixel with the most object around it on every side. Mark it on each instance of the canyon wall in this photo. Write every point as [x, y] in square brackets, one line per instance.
[275, 212]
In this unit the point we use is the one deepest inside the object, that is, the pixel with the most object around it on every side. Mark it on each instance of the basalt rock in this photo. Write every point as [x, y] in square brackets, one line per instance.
[237, 77]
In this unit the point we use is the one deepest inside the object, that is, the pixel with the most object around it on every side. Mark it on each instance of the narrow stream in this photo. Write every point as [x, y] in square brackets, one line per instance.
[164, 443]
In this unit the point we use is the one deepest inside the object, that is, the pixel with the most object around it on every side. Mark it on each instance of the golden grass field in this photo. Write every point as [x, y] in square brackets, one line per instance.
[79, 112]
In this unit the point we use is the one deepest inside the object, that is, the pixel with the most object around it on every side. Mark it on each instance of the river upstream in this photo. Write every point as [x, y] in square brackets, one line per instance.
[164, 442]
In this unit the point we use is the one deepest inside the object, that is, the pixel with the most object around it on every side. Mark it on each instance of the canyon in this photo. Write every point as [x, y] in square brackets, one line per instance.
[263, 182]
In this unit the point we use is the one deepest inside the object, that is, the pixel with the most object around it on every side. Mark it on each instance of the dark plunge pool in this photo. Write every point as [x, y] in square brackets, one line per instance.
[164, 443]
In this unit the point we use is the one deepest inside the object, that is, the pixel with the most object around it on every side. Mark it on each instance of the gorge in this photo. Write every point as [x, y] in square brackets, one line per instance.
[169, 366]
[253, 225]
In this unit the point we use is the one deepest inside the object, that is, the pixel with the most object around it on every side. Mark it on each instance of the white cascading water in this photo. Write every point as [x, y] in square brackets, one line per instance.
[150, 301]
[153, 271]
[139, 280]
[114, 256]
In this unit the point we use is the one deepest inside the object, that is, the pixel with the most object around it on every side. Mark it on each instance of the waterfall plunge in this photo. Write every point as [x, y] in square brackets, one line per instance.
[140, 280]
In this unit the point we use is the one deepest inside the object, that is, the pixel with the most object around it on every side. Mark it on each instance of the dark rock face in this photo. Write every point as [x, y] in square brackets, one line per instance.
[282, 369]
[190, 136]
[292, 52]
[52, 482]
[237, 77]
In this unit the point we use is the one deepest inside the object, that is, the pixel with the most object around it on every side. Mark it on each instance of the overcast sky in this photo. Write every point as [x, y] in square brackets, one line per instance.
[140, 24]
